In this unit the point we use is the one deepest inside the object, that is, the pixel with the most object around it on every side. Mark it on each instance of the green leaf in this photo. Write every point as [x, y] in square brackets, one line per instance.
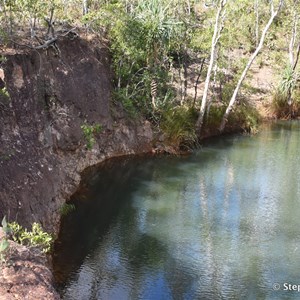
[4, 222]
[3, 245]
[5, 225]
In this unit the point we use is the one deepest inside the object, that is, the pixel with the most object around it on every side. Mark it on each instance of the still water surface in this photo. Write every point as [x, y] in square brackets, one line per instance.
[223, 223]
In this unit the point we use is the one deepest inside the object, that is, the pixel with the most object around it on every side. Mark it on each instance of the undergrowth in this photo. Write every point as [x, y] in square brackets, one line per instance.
[178, 124]
[245, 117]
[281, 107]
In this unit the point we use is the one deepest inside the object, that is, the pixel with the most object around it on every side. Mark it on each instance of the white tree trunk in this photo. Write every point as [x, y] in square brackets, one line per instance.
[215, 38]
[297, 57]
[252, 58]
[294, 56]
[293, 37]
[256, 22]
[214, 86]
[84, 7]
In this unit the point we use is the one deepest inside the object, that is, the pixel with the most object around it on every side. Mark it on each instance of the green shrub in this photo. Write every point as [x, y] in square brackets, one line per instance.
[178, 124]
[246, 117]
[214, 118]
[280, 106]
[66, 209]
[34, 238]
[89, 132]
[286, 99]
[289, 81]
[127, 103]
[4, 95]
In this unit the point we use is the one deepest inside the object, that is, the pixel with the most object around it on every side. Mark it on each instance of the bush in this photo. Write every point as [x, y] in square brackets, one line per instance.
[178, 124]
[67, 209]
[214, 118]
[34, 238]
[282, 109]
[246, 117]
[89, 132]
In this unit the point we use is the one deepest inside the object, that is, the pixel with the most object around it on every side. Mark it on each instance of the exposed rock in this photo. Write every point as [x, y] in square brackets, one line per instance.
[25, 275]
[42, 146]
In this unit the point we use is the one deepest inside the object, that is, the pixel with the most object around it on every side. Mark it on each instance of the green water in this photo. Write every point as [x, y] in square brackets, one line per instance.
[223, 223]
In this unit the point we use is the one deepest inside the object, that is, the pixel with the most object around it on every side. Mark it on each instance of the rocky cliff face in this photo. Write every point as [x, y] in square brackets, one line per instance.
[42, 146]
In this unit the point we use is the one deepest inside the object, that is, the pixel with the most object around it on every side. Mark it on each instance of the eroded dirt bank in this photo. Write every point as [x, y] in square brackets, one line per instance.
[42, 145]
[46, 97]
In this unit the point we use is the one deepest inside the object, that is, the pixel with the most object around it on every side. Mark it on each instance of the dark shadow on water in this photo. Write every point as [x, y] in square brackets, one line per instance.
[106, 192]
[98, 200]
[102, 195]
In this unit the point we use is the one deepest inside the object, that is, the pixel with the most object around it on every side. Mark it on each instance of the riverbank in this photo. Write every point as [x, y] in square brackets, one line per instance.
[57, 119]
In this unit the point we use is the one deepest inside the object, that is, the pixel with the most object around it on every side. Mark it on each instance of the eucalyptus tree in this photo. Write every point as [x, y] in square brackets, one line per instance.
[214, 42]
[294, 46]
[290, 78]
[274, 13]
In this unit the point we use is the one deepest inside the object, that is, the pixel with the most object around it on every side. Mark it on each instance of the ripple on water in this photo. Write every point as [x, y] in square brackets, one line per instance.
[220, 224]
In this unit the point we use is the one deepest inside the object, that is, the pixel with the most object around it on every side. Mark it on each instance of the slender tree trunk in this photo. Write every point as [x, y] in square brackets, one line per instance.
[183, 77]
[293, 56]
[84, 7]
[50, 31]
[214, 42]
[188, 7]
[256, 22]
[197, 81]
[214, 87]
[293, 39]
[185, 72]
[252, 58]
[297, 57]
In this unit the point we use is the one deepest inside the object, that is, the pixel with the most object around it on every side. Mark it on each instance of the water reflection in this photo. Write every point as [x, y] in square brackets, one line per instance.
[221, 224]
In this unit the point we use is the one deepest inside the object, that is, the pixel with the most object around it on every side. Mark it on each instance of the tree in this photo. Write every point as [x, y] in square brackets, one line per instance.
[216, 36]
[294, 50]
[274, 13]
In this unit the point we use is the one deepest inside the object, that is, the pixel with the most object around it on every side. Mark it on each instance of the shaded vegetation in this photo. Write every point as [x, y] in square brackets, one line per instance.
[155, 43]
[178, 124]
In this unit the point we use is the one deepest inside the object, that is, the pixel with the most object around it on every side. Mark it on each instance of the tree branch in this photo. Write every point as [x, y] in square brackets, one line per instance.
[46, 44]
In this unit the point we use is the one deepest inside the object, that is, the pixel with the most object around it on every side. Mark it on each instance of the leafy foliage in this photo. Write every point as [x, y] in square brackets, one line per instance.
[89, 132]
[282, 109]
[153, 40]
[248, 118]
[4, 94]
[286, 100]
[67, 209]
[178, 124]
[34, 238]
[289, 81]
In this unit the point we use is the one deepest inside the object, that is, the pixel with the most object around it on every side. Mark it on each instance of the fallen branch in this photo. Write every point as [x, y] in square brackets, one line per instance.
[46, 44]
